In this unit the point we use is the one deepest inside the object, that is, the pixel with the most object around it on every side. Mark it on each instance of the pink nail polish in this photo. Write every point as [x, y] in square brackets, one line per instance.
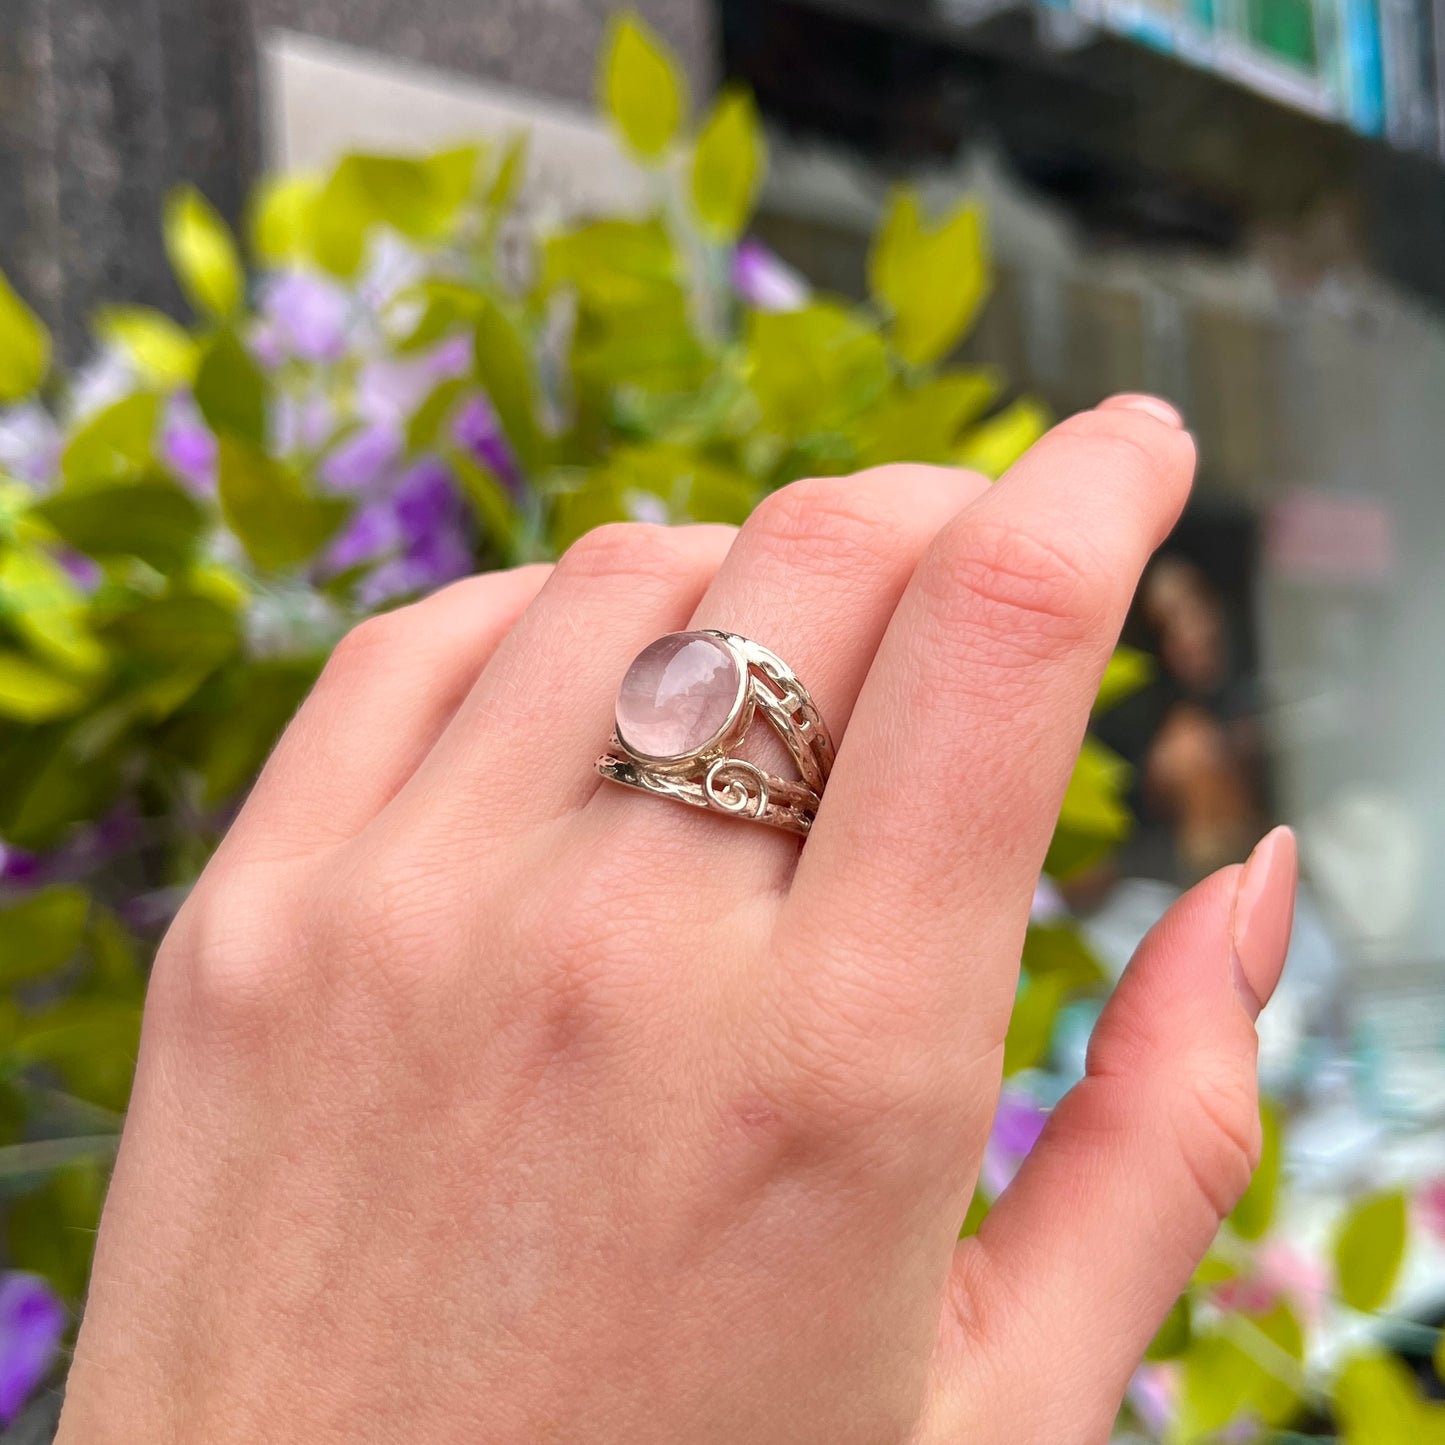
[1153, 406]
[1263, 918]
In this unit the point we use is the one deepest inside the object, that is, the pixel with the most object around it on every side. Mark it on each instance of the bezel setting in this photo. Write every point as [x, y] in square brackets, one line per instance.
[710, 777]
[728, 735]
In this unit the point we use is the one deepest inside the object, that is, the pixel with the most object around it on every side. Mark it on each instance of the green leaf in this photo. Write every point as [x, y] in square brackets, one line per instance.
[814, 369]
[420, 198]
[151, 519]
[92, 1041]
[43, 604]
[490, 500]
[1174, 1334]
[451, 177]
[1377, 1402]
[170, 646]
[279, 523]
[282, 217]
[449, 307]
[1094, 816]
[1127, 672]
[115, 444]
[930, 279]
[32, 693]
[993, 446]
[1031, 1028]
[425, 427]
[1059, 949]
[511, 172]
[727, 167]
[690, 485]
[1254, 1213]
[923, 424]
[40, 934]
[614, 265]
[163, 352]
[1251, 1366]
[203, 254]
[1370, 1248]
[978, 1208]
[643, 89]
[50, 778]
[340, 222]
[24, 346]
[230, 390]
[634, 328]
[52, 1230]
[232, 727]
[505, 370]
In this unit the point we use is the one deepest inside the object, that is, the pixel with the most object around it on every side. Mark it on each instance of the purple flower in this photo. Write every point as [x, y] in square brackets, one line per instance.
[301, 423]
[304, 317]
[450, 358]
[1152, 1393]
[1016, 1129]
[390, 389]
[1048, 905]
[426, 503]
[765, 281]
[32, 1321]
[30, 444]
[82, 570]
[441, 558]
[371, 533]
[440, 561]
[363, 460]
[426, 526]
[17, 866]
[478, 430]
[188, 446]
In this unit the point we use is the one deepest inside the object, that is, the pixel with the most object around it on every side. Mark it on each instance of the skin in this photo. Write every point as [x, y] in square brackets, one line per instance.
[481, 1101]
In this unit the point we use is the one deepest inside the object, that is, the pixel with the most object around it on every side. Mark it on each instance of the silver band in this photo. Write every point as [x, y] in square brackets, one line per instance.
[712, 778]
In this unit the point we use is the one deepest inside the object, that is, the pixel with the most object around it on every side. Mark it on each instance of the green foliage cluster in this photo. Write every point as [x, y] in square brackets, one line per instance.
[156, 635]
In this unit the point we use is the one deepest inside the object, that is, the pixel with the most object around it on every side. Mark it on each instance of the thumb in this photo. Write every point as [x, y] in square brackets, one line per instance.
[1079, 1261]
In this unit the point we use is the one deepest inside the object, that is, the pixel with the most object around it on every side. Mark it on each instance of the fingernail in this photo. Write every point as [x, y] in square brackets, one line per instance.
[1150, 405]
[1263, 917]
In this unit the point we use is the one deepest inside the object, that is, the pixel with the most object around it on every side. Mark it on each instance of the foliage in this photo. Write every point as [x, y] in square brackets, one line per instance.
[411, 383]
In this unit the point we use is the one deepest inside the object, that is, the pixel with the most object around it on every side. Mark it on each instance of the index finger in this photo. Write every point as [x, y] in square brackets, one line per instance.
[916, 881]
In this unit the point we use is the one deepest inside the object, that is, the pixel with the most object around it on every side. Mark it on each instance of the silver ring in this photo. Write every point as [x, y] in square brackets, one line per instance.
[685, 704]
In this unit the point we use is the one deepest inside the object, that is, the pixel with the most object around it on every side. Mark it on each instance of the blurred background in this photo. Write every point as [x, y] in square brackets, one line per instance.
[1237, 204]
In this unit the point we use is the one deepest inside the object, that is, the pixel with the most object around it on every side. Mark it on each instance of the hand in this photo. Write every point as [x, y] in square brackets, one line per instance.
[479, 1101]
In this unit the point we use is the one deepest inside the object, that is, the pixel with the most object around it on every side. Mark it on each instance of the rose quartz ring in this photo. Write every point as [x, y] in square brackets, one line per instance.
[686, 704]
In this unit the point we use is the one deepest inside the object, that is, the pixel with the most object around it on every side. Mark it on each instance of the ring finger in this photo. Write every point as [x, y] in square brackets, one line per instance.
[814, 576]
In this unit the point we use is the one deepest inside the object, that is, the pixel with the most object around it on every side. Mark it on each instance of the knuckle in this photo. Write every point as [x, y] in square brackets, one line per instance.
[619, 550]
[1219, 1137]
[824, 520]
[1016, 593]
[370, 642]
[237, 980]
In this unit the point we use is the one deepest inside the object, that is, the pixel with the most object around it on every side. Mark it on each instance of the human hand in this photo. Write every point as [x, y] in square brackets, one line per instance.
[480, 1101]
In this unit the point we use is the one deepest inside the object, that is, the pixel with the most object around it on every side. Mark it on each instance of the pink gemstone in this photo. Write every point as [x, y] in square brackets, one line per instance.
[678, 695]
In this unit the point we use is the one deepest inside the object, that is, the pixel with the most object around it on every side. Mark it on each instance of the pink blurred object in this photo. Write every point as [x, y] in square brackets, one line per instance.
[765, 281]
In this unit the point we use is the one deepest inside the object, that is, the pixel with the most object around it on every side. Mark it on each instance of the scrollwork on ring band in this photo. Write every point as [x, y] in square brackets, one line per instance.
[688, 701]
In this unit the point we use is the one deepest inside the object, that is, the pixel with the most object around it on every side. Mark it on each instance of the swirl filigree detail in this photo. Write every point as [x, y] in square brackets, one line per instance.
[736, 786]
[730, 785]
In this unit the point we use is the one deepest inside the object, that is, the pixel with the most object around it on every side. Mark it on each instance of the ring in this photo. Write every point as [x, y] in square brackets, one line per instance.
[688, 700]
